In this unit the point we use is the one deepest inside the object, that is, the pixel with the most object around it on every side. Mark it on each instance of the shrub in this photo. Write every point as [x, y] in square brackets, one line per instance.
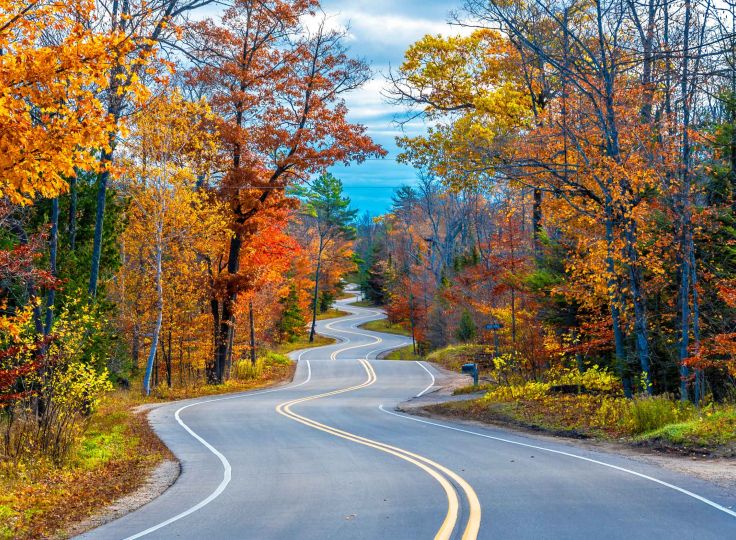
[530, 390]
[271, 358]
[326, 299]
[466, 330]
[59, 391]
[594, 379]
[245, 370]
[650, 413]
[610, 413]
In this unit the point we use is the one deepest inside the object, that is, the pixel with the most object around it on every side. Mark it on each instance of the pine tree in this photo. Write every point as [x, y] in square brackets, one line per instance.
[292, 321]
[467, 330]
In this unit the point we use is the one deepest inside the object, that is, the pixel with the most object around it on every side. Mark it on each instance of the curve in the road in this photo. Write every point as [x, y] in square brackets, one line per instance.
[435, 470]
[574, 456]
[346, 451]
[226, 468]
[376, 339]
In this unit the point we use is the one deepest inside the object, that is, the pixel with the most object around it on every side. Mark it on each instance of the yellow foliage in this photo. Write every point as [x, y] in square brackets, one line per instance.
[51, 120]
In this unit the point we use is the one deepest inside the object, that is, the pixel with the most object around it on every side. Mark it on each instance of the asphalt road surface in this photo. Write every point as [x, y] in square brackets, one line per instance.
[327, 457]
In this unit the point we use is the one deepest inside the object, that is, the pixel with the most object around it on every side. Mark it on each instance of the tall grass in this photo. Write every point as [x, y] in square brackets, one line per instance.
[454, 356]
[245, 370]
[650, 413]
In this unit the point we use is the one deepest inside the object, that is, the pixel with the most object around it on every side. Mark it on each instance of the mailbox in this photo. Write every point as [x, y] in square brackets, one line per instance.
[472, 369]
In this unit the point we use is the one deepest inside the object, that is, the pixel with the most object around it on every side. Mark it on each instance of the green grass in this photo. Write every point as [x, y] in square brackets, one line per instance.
[454, 356]
[303, 343]
[363, 303]
[332, 314]
[405, 353]
[710, 429]
[101, 445]
[652, 413]
[383, 325]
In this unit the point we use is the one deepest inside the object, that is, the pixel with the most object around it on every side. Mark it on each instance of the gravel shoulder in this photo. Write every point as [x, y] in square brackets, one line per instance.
[716, 470]
[161, 478]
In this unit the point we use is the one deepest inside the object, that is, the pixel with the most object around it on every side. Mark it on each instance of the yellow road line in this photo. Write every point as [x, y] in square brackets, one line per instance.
[448, 524]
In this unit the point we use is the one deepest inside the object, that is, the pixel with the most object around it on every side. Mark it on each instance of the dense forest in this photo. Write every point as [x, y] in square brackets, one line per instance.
[578, 188]
[157, 231]
[169, 224]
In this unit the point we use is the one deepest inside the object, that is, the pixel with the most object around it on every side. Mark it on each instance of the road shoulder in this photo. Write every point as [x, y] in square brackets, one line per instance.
[716, 470]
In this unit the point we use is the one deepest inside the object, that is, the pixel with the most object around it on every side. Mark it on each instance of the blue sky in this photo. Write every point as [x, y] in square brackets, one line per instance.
[379, 31]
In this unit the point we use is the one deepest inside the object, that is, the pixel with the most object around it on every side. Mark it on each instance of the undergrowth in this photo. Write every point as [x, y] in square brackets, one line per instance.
[591, 404]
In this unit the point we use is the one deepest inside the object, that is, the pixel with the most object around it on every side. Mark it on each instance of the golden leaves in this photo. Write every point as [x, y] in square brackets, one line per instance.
[51, 120]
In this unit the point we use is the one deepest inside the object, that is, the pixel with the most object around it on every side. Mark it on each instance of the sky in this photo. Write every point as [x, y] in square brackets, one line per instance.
[379, 31]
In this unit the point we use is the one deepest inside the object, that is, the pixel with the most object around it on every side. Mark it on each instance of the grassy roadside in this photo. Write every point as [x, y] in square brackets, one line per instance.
[586, 405]
[332, 314]
[383, 325]
[454, 356]
[303, 343]
[709, 432]
[405, 353]
[363, 303]
[114, 456]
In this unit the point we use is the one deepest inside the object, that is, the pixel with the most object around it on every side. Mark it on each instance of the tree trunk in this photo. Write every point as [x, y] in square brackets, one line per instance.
[230, 340]
[135, 348]
[53, 250]
[699, 379]
[252, 334]
[316, 293]
[647, 62]
[684, 303]
[223, 343]
[641, 329]
[411, 322]
[211, 367]
[685, 214]
[159, 318]
[537, 224]
[102, 180]
[223, 320]
[614, 301]
[168, 360]
[73, 196]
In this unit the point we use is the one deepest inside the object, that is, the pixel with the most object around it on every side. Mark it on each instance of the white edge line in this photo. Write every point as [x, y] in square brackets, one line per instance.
[227, 470]
[575, 456]
[420, 394]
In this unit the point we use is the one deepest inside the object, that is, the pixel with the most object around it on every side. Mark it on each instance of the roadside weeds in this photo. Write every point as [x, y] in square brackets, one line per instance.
[119, 465]
[718, 468]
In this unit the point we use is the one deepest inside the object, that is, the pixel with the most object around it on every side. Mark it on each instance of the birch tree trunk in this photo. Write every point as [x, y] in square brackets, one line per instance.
[159, 312]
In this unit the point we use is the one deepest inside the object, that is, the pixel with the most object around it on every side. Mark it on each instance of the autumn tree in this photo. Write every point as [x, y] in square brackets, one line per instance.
[52, 123]
[278, 85]
[148, 28]
[170, 222]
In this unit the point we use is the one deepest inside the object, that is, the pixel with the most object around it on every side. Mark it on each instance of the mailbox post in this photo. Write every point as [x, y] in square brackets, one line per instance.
[473, 370]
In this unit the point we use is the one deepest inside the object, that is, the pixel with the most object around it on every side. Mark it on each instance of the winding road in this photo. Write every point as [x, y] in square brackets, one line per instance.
[328, 457]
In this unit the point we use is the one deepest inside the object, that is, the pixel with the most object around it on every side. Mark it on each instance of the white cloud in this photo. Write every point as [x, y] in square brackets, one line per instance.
[394, 29]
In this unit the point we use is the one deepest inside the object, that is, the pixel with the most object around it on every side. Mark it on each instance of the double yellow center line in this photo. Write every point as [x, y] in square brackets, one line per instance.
[441, 474]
